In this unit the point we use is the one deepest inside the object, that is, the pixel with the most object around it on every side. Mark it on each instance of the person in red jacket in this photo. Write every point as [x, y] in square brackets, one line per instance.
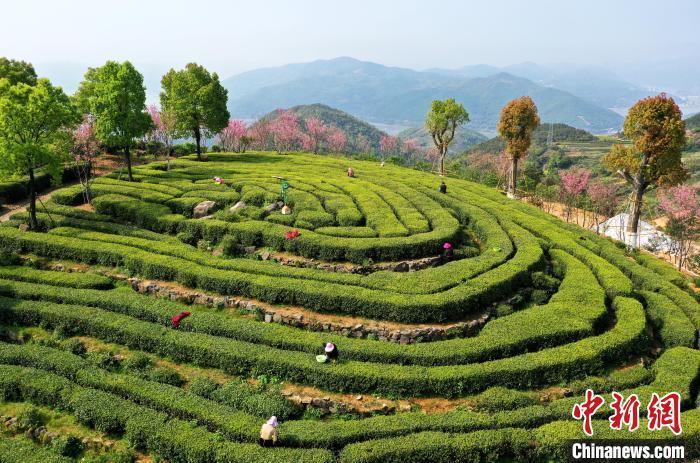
[176, 319]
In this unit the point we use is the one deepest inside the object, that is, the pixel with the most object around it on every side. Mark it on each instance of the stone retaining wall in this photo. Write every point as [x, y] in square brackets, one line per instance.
[270, 315]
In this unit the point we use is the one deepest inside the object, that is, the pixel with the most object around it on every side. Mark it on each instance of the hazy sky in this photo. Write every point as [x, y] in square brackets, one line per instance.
[232, 36]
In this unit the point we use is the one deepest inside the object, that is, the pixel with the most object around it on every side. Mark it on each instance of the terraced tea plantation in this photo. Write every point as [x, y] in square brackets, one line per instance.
[566, 311]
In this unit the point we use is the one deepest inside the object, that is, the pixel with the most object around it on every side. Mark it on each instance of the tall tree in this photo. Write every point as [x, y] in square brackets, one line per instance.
[34, 123]
[657, 132]
[17, 71]
[115, 96]
[198, 101]
[442, 120]
[518, 120]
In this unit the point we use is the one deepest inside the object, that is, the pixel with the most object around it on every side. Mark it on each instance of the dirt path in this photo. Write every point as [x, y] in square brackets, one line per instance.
[8, 210]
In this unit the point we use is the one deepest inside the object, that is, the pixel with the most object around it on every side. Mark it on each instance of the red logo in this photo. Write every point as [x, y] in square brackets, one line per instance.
[626, 412]
[587, 409]
[665, 412]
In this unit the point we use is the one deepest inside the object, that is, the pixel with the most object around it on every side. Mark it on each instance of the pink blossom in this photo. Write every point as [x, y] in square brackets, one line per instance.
[285, 130]
[85, 146]
[410, 147]
[230, 137]
[388, 144]
[316, 132]
[601, 193]
[575, 181]
[260, 135]
[362, 144]
[337, 140]
[680, 202]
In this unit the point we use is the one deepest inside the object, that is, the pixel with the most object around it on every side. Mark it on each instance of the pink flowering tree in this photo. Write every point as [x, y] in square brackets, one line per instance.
[682, 208]
[285, 131]
[164, 129]
[233, 137]
[84, 151]
[337, 140]
[362, 144]
[260, 135]
[573, 184]
[411, 148]
[604, 200]
[387, 146]
[316, 133]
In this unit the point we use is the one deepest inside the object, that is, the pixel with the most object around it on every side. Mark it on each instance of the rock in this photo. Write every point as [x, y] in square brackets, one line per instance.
[268, 318]
[23, 227]
[405, 407]
[274, 206]
[203, 209]
[237, 207]
[402, 267]
[265, 255]
[286, 210]
[249, 249]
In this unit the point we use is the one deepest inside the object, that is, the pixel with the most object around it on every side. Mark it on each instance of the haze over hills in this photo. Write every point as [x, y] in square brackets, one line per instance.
[464, 138]
[596, 84]
[385, 94]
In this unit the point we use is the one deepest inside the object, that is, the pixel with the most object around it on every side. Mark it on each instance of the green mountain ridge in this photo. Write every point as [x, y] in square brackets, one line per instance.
[560, 133]
[391, 95]
[464, 138]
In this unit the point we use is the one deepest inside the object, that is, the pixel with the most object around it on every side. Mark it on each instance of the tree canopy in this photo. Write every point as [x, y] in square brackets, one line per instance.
[656, 129]
[33, 131]
[197, 99]
[518, 120]
[115, 95]
[17, 71]
[441, 121]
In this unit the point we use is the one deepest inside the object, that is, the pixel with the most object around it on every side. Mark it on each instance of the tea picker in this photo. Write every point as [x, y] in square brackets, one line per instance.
[284, 186]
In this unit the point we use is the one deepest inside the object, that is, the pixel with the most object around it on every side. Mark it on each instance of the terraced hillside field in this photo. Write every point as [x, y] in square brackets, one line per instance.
[567, 310]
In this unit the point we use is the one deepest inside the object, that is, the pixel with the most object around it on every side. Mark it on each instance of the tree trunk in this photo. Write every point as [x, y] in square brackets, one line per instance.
[33, 224]
[127, 153]
[513, 180]
[198, 139]
[633, 222]
[442, 165]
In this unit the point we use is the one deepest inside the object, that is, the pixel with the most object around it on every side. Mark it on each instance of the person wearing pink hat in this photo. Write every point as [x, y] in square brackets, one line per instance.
[331, 351]
[268, 433]
[447, 251]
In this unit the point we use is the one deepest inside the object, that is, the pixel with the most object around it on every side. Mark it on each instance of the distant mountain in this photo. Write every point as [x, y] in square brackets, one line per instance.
[390, 95]
[561, 133]
[595, 84]
[693, 123]
[464, 138]
[352, 126]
